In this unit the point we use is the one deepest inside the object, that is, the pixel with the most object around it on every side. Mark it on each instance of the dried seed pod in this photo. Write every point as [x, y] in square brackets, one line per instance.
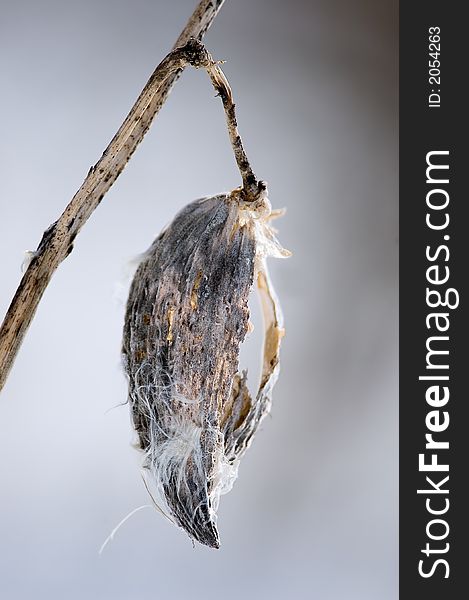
[187, 314]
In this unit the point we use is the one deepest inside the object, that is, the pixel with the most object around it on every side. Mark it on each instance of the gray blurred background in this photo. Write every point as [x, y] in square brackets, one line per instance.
[314, 511]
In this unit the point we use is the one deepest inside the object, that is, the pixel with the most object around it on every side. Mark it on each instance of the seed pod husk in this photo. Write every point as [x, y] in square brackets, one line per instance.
[186, 316]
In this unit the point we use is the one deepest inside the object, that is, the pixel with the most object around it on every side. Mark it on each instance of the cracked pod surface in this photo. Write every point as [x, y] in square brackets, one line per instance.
[186, 316]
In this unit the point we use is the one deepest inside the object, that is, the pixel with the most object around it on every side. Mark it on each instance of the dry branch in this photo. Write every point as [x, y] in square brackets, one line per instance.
[57, 241]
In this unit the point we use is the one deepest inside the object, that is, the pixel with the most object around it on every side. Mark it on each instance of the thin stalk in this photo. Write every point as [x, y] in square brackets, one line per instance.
[57, 241]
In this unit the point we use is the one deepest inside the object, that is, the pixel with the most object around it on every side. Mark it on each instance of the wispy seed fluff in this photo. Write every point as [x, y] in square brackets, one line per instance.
[187, 314]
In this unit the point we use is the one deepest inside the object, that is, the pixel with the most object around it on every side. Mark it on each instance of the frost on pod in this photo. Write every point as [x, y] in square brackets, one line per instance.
[187, 314]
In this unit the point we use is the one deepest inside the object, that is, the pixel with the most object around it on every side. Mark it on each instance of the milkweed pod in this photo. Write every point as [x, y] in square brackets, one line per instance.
[186, 316]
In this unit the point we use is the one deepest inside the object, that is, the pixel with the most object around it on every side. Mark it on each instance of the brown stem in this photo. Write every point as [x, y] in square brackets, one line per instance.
[195, 53]
[57, 241]
[251, 186]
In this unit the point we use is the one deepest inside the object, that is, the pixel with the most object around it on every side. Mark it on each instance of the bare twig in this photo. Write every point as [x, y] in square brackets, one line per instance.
[251, 187]
[195, 53]
[57, 241]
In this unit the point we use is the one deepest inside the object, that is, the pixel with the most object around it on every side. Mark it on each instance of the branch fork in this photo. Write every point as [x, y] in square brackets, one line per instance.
[57, 241]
